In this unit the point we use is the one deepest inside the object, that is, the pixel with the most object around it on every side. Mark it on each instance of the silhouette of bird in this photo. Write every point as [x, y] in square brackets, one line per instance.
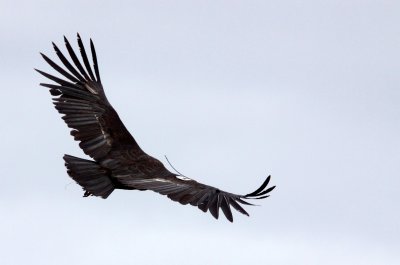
[119, 162]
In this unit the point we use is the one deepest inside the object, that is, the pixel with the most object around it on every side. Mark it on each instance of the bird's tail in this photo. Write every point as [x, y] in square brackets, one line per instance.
[92, 177]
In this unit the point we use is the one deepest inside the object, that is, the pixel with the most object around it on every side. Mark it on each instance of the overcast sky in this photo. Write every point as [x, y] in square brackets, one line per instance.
[230, 91]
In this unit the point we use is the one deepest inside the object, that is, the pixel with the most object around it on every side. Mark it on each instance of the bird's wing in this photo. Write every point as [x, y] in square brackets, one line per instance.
[187, 191]
[80, 97]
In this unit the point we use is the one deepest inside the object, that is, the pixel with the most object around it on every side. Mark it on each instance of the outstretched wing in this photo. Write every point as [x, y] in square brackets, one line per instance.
[87, 111]
[187, 191]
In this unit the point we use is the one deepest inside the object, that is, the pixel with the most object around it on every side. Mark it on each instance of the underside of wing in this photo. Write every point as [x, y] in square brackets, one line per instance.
[79, 95]
[188, 191]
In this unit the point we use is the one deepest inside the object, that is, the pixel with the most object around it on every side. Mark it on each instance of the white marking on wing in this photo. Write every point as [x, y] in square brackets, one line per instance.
[183, 178]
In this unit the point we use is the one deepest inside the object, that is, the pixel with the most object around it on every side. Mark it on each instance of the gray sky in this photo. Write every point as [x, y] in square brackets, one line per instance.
[231, 91]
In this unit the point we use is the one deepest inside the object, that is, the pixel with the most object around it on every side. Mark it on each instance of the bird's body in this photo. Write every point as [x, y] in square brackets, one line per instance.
[119, 162]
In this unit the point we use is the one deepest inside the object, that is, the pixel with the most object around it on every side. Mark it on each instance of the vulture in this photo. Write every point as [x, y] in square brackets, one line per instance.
[118, 162]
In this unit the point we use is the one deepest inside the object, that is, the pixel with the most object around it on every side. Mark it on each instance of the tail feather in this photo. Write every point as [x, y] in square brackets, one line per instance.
[90, 176]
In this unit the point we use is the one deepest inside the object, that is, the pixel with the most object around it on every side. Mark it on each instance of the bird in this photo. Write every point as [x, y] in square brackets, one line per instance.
[117, 161]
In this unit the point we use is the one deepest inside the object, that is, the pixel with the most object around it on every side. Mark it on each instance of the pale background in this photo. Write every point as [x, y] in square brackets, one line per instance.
[231, 91]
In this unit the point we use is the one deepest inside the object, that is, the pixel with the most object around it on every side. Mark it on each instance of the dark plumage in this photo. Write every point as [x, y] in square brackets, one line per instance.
[119, 162]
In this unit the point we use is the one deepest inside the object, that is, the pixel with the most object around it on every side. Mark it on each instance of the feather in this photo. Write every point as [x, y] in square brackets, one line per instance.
[226, 209]
[237, 206]
[59, 69]
[213, 206]
[266, 191]
[95, 65]
[176, 196]
[85, 58]
[67, 63]
[243, 202]
[55, 79]
[203, 206]
[197, 197]
[262, 197]
[72, 91]
[260, 188]
[75, 59]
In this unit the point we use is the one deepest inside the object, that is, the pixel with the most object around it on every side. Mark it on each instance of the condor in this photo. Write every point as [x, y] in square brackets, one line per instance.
[118, 161]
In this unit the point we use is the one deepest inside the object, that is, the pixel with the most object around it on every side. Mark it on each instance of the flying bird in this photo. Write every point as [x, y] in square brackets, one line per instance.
[118, 161]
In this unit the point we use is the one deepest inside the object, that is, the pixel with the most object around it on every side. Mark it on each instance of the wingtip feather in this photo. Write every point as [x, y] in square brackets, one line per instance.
[261, 190]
